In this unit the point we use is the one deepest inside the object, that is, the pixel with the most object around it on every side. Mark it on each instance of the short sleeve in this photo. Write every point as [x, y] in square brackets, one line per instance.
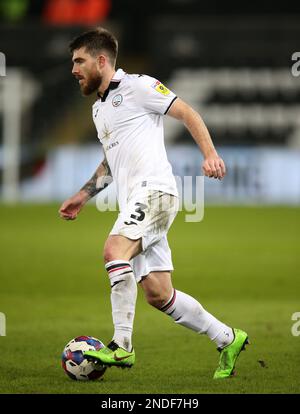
[152, 95]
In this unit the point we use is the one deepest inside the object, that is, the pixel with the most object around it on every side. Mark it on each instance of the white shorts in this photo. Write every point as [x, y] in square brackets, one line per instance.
[148, 216]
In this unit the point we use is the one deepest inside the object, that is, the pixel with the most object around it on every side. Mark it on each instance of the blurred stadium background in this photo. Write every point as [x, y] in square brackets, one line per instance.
[232, 66]
[233, 63]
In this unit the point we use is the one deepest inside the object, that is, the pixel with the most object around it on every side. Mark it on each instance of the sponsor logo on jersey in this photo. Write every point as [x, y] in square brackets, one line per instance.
[159, 87]
[112, 145]
[117, 100]
[106, 132]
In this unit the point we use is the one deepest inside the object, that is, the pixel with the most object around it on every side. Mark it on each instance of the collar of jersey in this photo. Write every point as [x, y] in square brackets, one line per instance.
[118, 75]
[114, 83]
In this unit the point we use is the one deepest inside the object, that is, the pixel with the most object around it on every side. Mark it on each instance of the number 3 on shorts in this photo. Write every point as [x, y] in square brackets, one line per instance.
[140, 216]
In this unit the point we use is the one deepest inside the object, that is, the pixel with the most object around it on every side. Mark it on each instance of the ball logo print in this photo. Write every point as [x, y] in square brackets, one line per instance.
[2, 324]
[73, 362]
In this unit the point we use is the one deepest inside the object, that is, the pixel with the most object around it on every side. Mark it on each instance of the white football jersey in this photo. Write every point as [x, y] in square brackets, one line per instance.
[129, 122]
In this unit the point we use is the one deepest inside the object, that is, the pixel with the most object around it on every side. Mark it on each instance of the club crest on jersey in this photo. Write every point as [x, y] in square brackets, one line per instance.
[159, 87]
[117, 100]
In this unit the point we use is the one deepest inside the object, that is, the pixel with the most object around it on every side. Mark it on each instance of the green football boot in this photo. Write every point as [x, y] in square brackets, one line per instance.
[230, 353]
[112, 355]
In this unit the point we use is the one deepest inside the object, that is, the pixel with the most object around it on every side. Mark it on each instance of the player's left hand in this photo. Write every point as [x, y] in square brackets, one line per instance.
[214, 167]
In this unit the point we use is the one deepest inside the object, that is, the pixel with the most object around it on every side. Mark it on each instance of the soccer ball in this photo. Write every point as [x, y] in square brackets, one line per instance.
[73, 363]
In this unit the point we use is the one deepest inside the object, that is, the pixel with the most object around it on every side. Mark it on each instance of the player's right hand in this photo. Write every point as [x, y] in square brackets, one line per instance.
[71, 207]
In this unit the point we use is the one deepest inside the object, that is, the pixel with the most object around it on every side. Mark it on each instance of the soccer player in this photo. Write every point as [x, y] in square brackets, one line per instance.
[128, 115]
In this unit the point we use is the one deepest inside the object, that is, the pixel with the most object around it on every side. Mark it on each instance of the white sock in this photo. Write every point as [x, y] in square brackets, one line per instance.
[188, 312]
[123, 299]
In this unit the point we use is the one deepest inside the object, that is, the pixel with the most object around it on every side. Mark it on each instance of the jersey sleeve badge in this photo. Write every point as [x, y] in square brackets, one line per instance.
[159, 87]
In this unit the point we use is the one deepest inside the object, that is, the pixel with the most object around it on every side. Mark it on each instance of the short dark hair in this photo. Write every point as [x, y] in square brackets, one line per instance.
[95, 41]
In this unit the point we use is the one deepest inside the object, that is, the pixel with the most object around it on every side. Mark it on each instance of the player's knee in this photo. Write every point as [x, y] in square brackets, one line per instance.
[112, 252]
[109, 254]
[157, 300]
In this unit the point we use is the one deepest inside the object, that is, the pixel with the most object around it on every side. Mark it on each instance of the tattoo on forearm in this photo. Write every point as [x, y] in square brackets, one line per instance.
[91, 186]
[100, 180]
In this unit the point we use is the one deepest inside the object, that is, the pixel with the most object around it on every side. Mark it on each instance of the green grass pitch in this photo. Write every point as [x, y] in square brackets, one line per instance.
[242, 263]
